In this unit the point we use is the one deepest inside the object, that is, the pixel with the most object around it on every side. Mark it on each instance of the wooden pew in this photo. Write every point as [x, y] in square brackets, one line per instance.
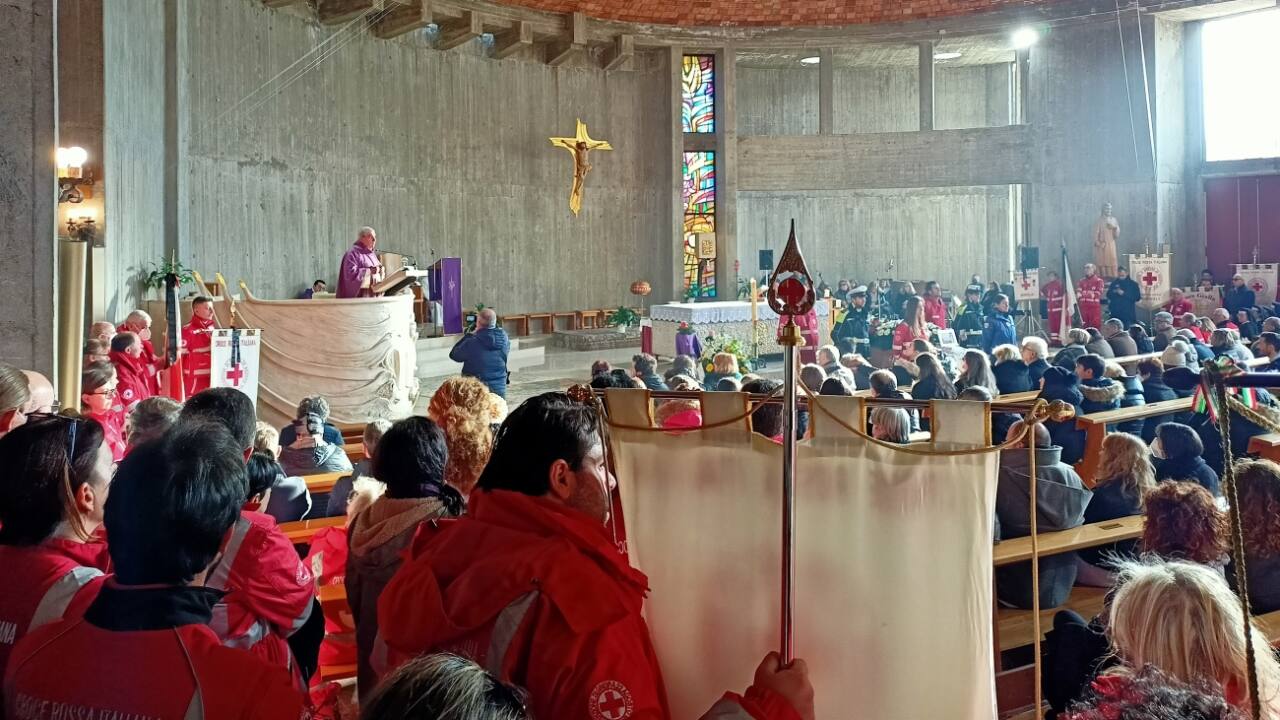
[1095, 427]
[1007, 552]
[354, 450]
[301, 532]
[323, 482]
[1266, 446]
[1015, 628]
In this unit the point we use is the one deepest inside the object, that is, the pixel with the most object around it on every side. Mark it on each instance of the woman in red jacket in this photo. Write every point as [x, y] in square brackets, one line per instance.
[52, 558]
[913, 326]
[98, 385]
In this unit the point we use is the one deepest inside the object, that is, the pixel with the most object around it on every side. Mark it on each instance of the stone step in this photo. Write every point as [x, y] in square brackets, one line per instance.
[446, 342]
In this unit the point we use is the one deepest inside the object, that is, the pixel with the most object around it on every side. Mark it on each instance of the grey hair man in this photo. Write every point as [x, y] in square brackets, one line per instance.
[483, 353]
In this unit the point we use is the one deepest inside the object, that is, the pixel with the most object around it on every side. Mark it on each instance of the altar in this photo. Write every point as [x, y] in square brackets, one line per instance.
[732, 318]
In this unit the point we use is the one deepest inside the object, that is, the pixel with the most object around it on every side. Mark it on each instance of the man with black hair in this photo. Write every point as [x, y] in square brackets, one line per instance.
[1268, 346]
[270, 592]
[1100, 392]
[530, 583]
[143, 648]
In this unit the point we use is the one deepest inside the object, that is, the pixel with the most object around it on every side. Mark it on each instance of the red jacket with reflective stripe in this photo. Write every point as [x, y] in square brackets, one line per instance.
[269, 589]
[129, 658]
[44, 583]
[538, 594]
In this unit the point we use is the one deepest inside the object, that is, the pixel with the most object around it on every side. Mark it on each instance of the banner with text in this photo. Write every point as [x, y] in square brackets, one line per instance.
[234, 361]
[1261, 279]
[1151, 272]
[1204, 300]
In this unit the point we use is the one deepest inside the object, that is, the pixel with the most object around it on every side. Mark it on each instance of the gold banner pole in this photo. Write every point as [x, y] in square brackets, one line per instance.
[72, 265]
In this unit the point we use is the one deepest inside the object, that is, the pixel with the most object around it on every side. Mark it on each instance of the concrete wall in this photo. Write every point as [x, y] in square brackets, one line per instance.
[442, 152]
[944, 233]
[28, 136]
[133, 139]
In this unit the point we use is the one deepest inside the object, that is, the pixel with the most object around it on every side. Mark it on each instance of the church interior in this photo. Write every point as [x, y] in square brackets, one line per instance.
[507, 359]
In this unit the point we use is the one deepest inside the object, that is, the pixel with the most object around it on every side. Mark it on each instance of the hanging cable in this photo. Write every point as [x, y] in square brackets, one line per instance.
[1128, 89]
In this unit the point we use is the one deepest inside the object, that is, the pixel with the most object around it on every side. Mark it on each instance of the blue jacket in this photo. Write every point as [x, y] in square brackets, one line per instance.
[999, 330]
[483, 355]
[1133, 397]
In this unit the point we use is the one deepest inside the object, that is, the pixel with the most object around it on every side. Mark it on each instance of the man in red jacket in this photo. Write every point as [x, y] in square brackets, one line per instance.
[270, 593]
[133, 384]
[532, 587]
[143, 648]
[1089, 293]
[197, 341]
[139, 322]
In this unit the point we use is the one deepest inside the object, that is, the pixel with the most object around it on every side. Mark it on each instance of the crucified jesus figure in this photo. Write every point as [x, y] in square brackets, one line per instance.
[580, 145]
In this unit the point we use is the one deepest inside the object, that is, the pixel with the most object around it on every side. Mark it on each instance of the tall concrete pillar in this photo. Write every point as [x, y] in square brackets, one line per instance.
[28, 138]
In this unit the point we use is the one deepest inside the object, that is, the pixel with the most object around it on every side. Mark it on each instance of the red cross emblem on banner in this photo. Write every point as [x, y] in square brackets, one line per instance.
[1150, 278]
[1026, 284]
[611, 700]
[235, 374]
[1258, 286]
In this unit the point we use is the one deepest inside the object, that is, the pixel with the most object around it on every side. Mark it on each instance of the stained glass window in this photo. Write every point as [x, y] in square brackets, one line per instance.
[699, 220]
[699, 115]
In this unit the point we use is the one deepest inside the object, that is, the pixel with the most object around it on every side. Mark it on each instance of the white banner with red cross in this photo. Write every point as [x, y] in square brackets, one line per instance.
[1026, 286]
[1261, 279]
[1151, 272]
[234, 360]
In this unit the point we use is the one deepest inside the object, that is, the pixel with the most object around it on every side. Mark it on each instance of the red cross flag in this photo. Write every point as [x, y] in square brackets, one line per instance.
[1151, 272]
[1026, 285]
[1261, 279]
[234, 360]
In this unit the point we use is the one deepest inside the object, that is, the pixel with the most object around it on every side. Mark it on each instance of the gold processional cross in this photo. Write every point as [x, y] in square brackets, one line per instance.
[579, 145]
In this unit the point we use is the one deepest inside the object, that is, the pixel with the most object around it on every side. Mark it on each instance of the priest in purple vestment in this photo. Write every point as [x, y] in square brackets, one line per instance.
[360, 267]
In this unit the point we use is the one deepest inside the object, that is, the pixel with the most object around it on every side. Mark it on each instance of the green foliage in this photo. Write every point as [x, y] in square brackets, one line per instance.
[624, 316]
[155, 277]
[724, 344]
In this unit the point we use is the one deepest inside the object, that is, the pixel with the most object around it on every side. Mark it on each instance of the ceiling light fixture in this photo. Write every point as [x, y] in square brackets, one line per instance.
[812, 60]
[1024, 37]
[942, 56]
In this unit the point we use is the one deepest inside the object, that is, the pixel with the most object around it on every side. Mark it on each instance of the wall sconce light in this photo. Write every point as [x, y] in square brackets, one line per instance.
[71, 174]
[83, 228]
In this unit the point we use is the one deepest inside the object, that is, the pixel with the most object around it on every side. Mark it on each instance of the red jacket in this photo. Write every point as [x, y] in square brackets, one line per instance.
[1178, 308]
[902, 337]
[1089, 290]
[327, 561]
[112, 422]
[935, 311]
[133, 385]
[197, 338]
[269, 589]
[143, 654]
[44, 583]
[538, 594]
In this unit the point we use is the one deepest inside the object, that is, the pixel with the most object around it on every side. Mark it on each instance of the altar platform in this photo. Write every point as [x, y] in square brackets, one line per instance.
[732, 318]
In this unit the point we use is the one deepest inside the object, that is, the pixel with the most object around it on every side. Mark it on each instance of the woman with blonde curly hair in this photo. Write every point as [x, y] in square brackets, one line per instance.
[1125, 476]
[1183, 522]
[461, 406]
[1182, 618]
[1258, 487]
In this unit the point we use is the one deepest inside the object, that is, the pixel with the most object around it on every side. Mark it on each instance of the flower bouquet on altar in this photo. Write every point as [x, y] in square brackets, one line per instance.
[723, 344]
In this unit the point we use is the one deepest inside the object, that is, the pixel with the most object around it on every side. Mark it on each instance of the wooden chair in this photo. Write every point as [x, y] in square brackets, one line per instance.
[571, 317]
[588, 319]
[547, 319]
[521, 321]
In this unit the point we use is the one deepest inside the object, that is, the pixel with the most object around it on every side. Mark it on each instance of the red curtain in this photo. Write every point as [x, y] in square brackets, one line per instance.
[1242, 213]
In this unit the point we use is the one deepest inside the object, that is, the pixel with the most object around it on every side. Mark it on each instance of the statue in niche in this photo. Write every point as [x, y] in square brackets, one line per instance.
[1105, 233]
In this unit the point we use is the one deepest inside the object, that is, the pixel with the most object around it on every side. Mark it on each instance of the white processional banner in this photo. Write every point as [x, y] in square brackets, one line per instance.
[1026, 286]
[1204, 300]
[233, 360]
[885, 538]
[1261, 279]
[1151, 272]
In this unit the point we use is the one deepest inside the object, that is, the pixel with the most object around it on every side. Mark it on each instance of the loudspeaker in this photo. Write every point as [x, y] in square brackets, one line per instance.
[1029, 257]
[766, 259]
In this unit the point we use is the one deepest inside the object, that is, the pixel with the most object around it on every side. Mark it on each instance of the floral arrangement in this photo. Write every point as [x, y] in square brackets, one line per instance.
[684, 328]
[723, 344]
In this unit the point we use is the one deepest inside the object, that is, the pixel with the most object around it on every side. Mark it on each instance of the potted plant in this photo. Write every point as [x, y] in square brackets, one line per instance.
[154, 279]
[623, 319]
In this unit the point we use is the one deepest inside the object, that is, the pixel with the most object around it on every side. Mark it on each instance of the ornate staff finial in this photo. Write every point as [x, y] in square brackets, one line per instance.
[791, 291]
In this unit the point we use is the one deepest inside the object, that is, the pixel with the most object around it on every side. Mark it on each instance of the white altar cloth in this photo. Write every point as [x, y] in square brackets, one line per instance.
[705, 313]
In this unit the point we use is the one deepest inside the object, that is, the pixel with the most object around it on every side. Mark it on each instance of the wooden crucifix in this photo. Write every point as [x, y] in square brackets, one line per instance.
[579, 145]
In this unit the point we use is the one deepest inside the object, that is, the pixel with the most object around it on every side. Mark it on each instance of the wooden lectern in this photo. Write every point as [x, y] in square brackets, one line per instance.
[397, 281]
[446, 289]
